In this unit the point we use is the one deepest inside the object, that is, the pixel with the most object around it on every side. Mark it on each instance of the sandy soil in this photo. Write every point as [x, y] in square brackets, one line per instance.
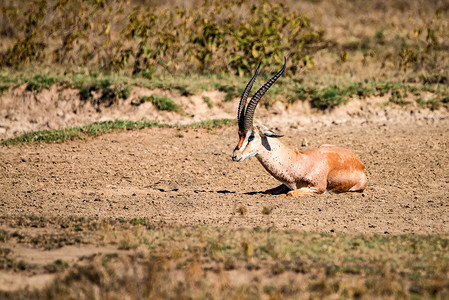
[186, 177]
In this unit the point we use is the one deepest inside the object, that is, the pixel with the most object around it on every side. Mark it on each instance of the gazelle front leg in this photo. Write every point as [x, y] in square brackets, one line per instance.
[305, 191]
[282, 189]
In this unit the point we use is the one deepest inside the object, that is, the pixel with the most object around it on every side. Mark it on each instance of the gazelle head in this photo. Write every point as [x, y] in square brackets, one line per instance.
[251, 136]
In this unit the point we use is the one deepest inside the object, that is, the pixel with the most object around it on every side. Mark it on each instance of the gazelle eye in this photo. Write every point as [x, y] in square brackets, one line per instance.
[251, 137]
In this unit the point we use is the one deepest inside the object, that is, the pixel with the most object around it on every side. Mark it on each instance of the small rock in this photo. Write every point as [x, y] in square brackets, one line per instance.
[304, 142]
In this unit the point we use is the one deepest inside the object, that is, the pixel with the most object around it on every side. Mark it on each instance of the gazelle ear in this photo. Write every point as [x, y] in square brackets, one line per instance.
[269, 133]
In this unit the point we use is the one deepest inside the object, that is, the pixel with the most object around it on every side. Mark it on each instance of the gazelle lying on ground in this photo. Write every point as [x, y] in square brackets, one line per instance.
[326, 168]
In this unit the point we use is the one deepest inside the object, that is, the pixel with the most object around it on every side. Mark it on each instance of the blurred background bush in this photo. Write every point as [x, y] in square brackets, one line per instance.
[212, 36]
[141, 36]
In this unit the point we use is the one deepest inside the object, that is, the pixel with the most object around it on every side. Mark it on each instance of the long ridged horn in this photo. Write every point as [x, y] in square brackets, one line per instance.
[250, 109]
[240, 114]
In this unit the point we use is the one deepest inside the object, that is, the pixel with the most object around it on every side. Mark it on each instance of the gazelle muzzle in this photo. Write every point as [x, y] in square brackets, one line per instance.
[237, 155]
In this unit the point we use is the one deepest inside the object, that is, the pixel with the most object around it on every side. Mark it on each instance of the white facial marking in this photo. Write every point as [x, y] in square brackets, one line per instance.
[247, 155]
[245, 142]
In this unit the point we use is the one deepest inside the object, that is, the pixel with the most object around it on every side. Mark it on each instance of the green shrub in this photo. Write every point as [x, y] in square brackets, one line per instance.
[324, 98]
[109, 89]
[397, 97]
[99, 128]
[4, 88]
[207, 101]
[39, 82]
[163, 103]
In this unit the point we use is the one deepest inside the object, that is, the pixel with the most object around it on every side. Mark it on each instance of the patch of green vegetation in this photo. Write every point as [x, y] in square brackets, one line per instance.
[210, 124]
[184, 89]
[39, 82]
[100, 128]
[163, 103]
[397, 98]
[321, 95]
[231, 91]
[7, 77]
[432, 103]
[4, 88]
[444, 99]
[330, 97]
[207, 101]
[109, 88]
[83, 132]
[380, 34]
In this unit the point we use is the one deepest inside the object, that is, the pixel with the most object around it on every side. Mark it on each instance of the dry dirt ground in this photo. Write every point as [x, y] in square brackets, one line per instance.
[187, 177]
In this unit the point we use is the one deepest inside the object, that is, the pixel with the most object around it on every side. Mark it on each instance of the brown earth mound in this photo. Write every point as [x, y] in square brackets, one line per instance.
[23, 111]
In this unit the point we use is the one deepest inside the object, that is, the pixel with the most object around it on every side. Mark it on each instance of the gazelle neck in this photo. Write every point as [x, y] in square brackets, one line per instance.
[278, 159]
